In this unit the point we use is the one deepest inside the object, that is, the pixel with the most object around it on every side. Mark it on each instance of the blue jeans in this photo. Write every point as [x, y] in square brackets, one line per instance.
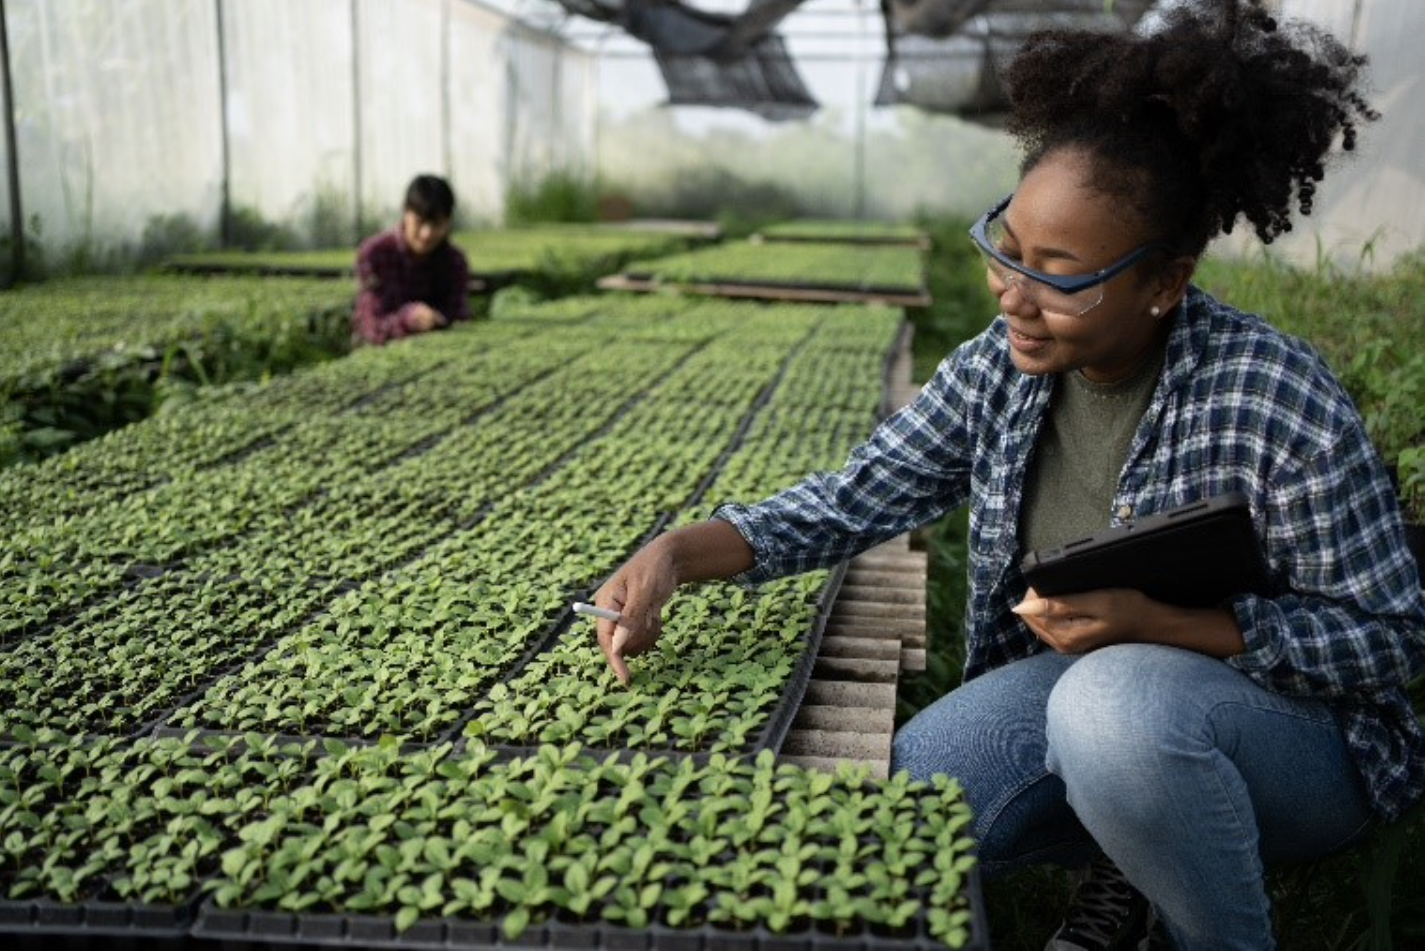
[1186, 773]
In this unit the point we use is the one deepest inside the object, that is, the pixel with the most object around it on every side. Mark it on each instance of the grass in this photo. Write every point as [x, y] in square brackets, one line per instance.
[1368, 327]
[559, 196]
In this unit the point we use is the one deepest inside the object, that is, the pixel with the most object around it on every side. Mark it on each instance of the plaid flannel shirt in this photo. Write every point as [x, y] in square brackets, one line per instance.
[1239, 407]
[391, 280]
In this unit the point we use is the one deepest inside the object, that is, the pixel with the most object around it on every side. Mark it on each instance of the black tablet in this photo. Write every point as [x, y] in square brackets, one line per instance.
[1196, 555]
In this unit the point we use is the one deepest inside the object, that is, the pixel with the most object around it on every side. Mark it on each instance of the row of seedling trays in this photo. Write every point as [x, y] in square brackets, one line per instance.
[390, 568]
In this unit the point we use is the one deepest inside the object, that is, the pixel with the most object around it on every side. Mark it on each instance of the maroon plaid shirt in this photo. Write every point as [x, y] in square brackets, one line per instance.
[390, 280]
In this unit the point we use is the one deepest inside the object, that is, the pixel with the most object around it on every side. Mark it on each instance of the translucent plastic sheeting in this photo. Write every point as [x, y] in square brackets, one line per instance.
[290, 111]
[117, 118]
[946, 55]
[1371, 207]
[552, 106]
[958, 74]
[401, 96]
[942, 18]
[477, 110]
[442, 86]
[314, 115]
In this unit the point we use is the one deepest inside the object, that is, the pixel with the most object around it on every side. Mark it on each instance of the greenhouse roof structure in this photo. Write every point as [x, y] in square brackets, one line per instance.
[937, 55]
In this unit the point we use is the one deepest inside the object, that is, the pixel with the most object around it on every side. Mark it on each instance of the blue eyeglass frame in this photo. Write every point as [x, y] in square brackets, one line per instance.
[1063, 283]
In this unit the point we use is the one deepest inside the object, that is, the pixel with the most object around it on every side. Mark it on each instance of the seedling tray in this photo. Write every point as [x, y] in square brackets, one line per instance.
[332, 399]
[773, 290]
[97, 919]
[779, 720]
[260, 929]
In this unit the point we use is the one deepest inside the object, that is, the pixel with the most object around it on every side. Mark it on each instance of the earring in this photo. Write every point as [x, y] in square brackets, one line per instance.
[1154, 310]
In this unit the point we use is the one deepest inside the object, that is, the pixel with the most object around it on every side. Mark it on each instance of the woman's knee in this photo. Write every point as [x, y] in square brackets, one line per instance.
[987, 731]
[1118, 709]
[950, 737]
[914, 750]
[1020, 815]
[989, 735]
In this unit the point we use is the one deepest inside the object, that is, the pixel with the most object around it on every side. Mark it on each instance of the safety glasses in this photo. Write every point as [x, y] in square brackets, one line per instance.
[1071, 294]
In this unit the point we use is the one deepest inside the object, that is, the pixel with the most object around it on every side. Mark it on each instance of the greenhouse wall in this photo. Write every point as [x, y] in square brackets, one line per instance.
[313, 116]
[289, 111]
[116, 116]
[136, 120]
[888, 163]
[547, 132]
[1371, 207]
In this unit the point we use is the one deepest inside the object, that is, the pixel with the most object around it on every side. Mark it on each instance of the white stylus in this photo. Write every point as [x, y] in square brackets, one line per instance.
[595, 611]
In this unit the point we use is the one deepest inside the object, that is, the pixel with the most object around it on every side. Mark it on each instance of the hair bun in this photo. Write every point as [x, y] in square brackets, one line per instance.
[1221, 103]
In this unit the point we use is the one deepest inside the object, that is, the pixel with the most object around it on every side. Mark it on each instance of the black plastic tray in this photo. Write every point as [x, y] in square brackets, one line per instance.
[257, 929]
[97, 919]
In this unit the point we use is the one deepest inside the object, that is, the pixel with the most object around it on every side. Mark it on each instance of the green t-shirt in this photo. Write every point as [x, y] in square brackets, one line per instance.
[1082, 448]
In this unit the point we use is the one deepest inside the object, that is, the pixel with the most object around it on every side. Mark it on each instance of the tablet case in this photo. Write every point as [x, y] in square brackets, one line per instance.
[1196, 555]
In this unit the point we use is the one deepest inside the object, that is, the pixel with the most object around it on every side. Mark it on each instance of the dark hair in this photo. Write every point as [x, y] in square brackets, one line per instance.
[1219, 112]
[430, 197]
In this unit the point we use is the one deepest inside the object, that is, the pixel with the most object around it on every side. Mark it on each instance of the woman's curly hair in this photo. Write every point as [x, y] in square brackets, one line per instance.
[1221, 111]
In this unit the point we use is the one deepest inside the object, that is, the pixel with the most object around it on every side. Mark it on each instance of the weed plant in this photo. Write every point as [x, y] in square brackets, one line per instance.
[560, 196]
[740, 206]
[1368, 327]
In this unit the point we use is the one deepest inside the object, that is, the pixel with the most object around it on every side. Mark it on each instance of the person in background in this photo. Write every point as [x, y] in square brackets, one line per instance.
[411, 279]
[1172, 754]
